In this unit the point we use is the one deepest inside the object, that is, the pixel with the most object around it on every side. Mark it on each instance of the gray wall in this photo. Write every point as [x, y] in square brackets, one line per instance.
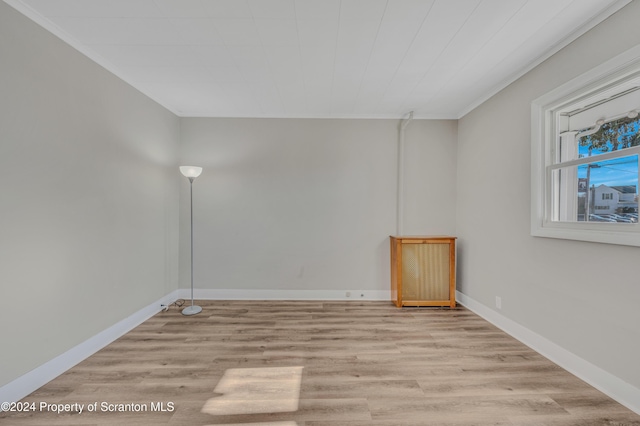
[430, 177]
[308, 205]
[581, 296]
[88, 197]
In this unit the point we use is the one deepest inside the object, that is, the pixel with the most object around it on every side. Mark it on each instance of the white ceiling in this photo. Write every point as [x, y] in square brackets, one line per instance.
[318, 58]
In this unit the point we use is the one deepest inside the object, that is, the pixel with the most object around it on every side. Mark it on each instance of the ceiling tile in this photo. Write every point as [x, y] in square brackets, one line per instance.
[317, 32]
[370, 95]
[273, 9]
[277, 32]
[355, 43]
[362, 10]
[124, 56]
[321, 10]
[197, 31]
[141, 31]
[219, 64]
[234, 9]
[267, 98]
[96, 30]
[408, 11]
[252, 62]
[317, 62]
[182, 8]
[97, 8]
[238, 32]
[285, 63]
[392, 42]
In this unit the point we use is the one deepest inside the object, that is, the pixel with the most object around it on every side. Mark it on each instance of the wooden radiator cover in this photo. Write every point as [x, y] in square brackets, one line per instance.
[423, 271]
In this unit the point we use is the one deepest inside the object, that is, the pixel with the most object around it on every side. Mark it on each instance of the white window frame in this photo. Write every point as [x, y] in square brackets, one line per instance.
[544, 142]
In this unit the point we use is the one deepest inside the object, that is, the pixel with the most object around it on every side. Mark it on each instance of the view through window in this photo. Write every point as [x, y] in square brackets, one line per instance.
[608, 190]
[595, 173]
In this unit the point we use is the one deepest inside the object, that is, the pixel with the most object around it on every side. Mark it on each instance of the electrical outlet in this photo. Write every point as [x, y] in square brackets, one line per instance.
[348, 294]
[498, 302]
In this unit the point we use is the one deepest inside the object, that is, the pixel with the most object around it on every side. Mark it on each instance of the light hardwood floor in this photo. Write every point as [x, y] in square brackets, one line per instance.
[363, 363]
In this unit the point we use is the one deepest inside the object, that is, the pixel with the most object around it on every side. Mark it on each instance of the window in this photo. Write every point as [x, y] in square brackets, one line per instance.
[585, 150]
[588, 180]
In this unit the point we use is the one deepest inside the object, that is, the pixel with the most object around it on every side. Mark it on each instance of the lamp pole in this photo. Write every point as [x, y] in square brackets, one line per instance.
[191, 172]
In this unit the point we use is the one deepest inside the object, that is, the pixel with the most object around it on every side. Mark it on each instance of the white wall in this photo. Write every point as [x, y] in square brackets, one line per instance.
[430, 177]
[581, 296]
[88, 197]
[305, 207]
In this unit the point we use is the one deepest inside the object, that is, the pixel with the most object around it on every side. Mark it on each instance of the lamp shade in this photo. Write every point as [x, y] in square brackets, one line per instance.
[191, 171]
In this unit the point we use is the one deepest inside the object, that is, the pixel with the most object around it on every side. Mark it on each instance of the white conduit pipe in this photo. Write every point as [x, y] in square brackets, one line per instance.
[400, 189]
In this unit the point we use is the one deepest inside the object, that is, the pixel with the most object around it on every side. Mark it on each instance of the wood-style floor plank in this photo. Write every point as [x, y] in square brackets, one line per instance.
[363, 364]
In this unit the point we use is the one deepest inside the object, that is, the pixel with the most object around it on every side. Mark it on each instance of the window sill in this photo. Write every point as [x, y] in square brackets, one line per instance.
[607, 233]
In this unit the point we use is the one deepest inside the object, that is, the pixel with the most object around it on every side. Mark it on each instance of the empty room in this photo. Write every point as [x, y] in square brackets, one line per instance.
[319, 212]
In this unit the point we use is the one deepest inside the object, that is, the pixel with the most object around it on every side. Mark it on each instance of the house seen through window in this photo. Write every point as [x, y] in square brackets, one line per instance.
[595, 176]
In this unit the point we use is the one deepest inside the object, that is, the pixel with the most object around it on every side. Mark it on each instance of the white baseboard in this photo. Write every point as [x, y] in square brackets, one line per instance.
[24, 385]
[605, 382]
[261, 294]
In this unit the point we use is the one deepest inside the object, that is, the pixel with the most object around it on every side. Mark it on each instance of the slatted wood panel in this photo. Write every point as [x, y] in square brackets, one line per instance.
[425, 271]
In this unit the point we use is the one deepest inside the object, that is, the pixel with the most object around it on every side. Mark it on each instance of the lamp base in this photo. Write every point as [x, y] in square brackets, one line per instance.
[191, 310]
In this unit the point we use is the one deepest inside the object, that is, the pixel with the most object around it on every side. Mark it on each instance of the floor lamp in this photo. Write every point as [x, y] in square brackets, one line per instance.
[191, 172]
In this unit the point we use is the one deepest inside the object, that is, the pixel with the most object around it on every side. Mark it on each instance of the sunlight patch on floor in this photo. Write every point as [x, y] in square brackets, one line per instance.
[257, 390]
[260, 424]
